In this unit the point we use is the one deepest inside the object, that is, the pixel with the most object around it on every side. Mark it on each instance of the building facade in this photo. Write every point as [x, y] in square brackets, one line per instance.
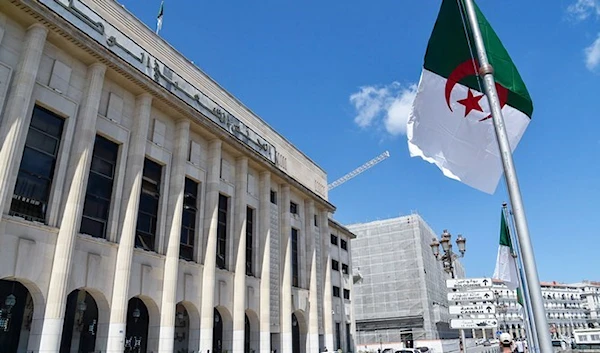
[590, 294]
[564, 304]
[145, 209]
[402, 296]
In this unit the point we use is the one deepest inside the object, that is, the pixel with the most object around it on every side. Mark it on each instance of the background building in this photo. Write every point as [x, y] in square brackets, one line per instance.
[590, 294]
[145, 209]
[403, 295]
[565, 306]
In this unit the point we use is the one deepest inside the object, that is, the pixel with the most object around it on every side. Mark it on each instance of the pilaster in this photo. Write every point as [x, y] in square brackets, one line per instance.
[78, 170]
[286, 275]
[264, 224]
[176, 198]
[16, 114]
[239, 277]
[213, 182]
[327, 286]
[131, 198]
[313, 297]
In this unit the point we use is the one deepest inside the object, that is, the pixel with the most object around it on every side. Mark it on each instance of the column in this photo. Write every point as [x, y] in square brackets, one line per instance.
[16, 117]
[78, 170]
[313, 297]
[286, 274]
[327, 286]
[239, 277]
[175, 208]
[264, 223]
[213, 182]
[131, 199]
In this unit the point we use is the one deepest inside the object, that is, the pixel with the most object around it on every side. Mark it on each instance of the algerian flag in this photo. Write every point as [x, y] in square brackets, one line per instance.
[506, 267]
[159, 18]
[450, 122]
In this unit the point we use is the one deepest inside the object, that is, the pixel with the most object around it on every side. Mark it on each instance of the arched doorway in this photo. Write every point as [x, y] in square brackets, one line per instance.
[16, 313]
[182, 329]
[295, 334]
[81, 323]
[217, 332]
[247, 333]
[136, 333]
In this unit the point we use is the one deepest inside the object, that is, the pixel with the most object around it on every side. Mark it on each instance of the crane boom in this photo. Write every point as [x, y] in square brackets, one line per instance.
[359, 170]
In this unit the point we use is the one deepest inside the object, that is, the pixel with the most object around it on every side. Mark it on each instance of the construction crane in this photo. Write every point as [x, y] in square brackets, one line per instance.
[359, 170]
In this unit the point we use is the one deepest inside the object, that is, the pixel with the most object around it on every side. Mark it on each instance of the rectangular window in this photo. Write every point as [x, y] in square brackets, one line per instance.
[249, 243]
[347, 294]
[335, 265]
[99, 188]
[295, 266]
[344, 244]
[338, 336]
[348, 339]
[222, 231]
[273, 197]
[188, 220]
[334, 240]
[336, 291]
[36, 172]
[293, 208]
[148, 209]
[345, 269]
[316, 221]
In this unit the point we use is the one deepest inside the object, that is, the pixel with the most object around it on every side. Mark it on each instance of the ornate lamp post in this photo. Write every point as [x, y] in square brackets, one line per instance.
[447, 258]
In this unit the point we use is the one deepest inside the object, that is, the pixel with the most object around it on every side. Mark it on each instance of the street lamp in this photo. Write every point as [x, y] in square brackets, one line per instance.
[448, 257]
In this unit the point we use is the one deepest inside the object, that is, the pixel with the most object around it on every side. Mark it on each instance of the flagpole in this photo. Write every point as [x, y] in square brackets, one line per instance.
[510, 174]
[522, 282]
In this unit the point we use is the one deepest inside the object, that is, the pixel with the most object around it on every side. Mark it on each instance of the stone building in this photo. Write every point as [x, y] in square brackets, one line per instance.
[143, 207]
[402, 297]
[564, 304]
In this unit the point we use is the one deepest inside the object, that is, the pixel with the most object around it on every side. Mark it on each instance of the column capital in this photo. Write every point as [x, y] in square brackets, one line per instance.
[183, 122]
[98, 67]
[38, 27]
[145, 98]
[264, 173]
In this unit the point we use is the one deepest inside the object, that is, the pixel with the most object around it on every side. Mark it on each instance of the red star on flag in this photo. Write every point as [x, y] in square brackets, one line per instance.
[471, 102]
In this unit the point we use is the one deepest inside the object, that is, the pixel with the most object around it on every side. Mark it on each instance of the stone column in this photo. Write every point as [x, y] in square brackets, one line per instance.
[175, 208]
[264, 222]
[78, 170]
[313, 296]
[131, 199]
[239, 277]
[16, 114]
[286, 273]
[213, 182]
[327, 286]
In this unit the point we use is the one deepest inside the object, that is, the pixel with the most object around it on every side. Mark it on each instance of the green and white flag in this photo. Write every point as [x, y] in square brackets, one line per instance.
[450, 123]
[506, 264]
[159, 17]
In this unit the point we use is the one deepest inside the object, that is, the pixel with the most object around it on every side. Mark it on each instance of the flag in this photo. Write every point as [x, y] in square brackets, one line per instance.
[506, 266]
[159, 17]
[450, 123]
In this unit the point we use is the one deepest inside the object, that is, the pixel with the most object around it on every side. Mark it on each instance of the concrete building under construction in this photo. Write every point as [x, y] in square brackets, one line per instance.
[402, 296]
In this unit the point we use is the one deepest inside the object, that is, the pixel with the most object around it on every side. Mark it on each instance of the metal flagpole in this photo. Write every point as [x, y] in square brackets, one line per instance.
[510, 174]
[522, 283]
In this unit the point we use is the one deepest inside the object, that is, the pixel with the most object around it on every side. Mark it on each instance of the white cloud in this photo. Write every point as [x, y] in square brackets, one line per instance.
[384, 106]
[583, 9]
[592, 54]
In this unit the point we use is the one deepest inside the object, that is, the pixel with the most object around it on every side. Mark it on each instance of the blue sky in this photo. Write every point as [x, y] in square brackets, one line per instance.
[336, 79]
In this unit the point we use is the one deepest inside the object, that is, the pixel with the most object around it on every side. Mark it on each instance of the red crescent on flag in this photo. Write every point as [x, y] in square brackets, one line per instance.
[469, 68]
